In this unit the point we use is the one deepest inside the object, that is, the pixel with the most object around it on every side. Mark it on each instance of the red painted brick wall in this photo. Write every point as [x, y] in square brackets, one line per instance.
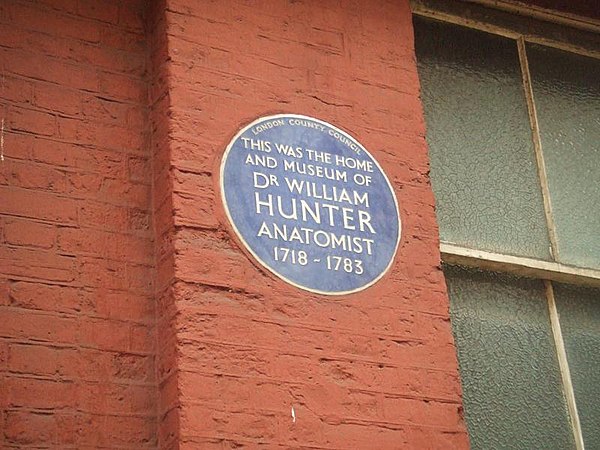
[77, 365]
[130, 316]
[371, 370]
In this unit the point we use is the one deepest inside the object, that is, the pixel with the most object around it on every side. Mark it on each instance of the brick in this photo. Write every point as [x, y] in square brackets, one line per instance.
[42, 360]
[47, 68]
[125, 306]
[169, 429]
[194, 210]
[139, 169]
[15, 89]
[211, 267]
[38, 205]
[200, 388]
[103, 10]
[137, 118]
[62, 299]
[53, 22]
[105, 136]
[118, 138]
[365, 434]
[32, 121]
[67, 428]
[28, 233]
[4, 285]
[138, 220]
[431, 413]
[33, 176]
[37, 264]
[133, 16]
[142, 339]
[121, 87]
[107, 111]
[169, 393]
[104, 216]
[69, 6]
[3, 358]
[135, 249]
[136, 432]
[137, 277]
[98, 272]
[120, 39]
[90, 430]
[105, 335]
[132, 194]
[40, 394]
[65, 154]
[38, 327]
[29, 428]
[110, 59]
[98, 161]
[114, 399]
[81, 241]
[162, 196]
[83, 185]
[92, 365]
[17, 146]
[213, 326]
[58, 99]
[132, 399]
[133, 367]
[251, 425]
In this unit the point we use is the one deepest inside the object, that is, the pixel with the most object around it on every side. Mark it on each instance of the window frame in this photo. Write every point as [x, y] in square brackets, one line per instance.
[574, 34]
[524, 28]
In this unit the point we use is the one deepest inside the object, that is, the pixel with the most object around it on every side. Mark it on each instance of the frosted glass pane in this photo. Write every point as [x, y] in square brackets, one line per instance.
[512, 390]
[579, 311]
[483, 165]
[566, 89]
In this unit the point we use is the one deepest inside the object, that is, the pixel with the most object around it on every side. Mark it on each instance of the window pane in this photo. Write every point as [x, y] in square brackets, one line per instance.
[566, 88]
[579, 310]
[483, 165]
[512, 390]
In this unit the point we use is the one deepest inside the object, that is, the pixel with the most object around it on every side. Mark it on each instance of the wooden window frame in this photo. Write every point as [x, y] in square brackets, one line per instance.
[526, 27]
[523, 24]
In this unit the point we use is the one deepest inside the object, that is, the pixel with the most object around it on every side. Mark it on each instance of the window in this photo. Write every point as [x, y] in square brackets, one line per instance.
[512, 106]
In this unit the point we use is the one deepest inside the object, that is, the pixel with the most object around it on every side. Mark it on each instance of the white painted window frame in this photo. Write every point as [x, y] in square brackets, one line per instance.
[547, 271]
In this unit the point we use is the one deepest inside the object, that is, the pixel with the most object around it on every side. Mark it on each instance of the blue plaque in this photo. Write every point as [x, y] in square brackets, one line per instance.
[310, 204]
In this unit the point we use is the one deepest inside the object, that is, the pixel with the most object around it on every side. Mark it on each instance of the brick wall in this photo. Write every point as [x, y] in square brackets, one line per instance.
[371, 370]
[76, 245]
[124, 295]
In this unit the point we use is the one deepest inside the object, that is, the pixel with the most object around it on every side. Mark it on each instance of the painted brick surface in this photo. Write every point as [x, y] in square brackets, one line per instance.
[77, 342]
[131, 315]
[240, 348]
[168, 434]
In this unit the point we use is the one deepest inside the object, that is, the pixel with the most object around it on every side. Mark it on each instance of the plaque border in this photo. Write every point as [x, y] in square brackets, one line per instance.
[245, 243]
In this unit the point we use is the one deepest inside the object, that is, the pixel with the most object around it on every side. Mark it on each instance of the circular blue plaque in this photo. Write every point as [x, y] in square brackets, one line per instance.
[310, 204]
